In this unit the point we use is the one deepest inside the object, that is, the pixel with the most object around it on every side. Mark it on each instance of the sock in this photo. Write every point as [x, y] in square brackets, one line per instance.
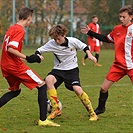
[102, 100]
[86, 102]
[42, 101]
[97, 56]
[8, 96]
[86, 56]
[52, 95]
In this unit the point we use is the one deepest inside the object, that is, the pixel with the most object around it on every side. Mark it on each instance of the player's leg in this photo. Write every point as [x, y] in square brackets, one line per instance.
[103, 96]
[8, 96]
[113, 75]
[14, 90]
[53, 82]
[72, 82]
[31, 80]
[86, 102]
[84, 59]
[97, 51]
[42, 101]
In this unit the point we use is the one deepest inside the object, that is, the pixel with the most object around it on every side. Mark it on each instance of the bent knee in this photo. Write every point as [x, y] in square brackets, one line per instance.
[50, 79]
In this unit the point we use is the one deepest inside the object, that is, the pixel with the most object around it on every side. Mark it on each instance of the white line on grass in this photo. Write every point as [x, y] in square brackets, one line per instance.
[86, 86]
[100, 85]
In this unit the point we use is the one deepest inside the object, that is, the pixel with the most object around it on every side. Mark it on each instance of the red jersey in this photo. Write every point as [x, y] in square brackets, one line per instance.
[122, 37]
[95, 28]
[13, 38]
[13, 69]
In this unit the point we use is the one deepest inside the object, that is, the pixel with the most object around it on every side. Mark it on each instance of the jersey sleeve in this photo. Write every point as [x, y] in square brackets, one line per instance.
[110, 36]
[47, 47]
[79, 45]
[16, 38]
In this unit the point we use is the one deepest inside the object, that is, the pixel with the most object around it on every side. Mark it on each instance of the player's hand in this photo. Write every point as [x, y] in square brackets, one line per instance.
[34, 58]
[23, 59]
[41, 57]
[93, 59]
[101, 43]
[85, 29]
[94, 39]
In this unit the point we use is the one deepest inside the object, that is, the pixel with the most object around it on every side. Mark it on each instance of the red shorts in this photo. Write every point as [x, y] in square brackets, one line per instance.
[94, 48]
[116, 73]
[22, 74]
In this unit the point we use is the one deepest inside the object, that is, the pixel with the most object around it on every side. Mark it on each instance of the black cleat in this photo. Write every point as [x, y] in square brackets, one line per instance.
[99, 111]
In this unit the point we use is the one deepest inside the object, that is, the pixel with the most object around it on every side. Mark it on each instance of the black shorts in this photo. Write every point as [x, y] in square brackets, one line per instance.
[69, 77]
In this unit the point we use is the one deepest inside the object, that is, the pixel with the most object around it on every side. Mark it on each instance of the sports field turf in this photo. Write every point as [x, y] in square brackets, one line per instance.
[18, 115]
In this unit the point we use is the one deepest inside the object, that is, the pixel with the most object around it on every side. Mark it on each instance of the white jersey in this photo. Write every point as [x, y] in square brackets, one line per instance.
[64, 57]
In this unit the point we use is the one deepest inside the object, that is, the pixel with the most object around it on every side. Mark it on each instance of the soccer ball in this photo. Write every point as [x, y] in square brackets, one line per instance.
[49, 106]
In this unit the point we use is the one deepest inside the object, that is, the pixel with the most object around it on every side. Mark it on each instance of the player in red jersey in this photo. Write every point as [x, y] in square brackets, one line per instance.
[93, 43]
[16, 72]
[122, 37]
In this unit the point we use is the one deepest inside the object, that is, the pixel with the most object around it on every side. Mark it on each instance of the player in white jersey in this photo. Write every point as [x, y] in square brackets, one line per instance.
[65, 68]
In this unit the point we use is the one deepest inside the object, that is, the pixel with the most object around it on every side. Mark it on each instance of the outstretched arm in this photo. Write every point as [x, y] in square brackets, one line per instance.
[100, 37]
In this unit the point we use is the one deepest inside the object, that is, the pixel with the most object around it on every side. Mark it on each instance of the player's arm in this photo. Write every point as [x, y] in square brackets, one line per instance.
[16, 52]
[31, 59]
[100, 37]
[90, 56]
[86, 30]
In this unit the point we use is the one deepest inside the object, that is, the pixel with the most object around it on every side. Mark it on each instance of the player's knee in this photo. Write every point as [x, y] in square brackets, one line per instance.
[50, 80]
[17, 92]
[103, 90]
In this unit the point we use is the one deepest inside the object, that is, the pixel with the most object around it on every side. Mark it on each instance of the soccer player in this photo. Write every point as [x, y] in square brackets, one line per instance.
[16, 72]
[93, 43]
[122, 37]
[65, 68]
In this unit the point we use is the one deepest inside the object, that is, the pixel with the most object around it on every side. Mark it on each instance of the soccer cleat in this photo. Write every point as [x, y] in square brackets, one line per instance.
[93, 117]
[46, 123]
[96, 64]
[83, 61]
[54, 114]
[99, 111]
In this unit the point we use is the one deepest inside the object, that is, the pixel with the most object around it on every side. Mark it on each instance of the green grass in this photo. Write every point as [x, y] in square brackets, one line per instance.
[18, 115]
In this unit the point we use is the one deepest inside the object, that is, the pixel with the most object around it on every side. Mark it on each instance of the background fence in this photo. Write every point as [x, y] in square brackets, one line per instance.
[72, 13]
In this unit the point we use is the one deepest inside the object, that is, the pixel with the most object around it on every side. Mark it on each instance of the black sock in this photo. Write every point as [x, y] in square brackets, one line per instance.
[97, 56]
[8, 96]
[42, 101]
[102, 100]
[86, 56]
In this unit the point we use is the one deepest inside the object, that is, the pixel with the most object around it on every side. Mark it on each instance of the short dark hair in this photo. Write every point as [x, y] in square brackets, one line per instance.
[127, 8]
[24, 13]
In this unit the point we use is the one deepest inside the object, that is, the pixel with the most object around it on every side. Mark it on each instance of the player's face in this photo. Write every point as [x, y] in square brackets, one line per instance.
[125, 18]
[60, 39]
[95, 20]
[28, 21]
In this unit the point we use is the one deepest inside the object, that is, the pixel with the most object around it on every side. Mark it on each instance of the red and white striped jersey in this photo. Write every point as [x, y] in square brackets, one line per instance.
[122, 37]
[95, 28]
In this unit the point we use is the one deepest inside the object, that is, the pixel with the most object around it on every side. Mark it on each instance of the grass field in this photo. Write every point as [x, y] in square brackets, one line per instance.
[18, 115]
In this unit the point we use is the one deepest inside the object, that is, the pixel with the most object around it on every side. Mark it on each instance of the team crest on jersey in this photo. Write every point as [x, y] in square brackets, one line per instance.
[130, 34]
[72, 49]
